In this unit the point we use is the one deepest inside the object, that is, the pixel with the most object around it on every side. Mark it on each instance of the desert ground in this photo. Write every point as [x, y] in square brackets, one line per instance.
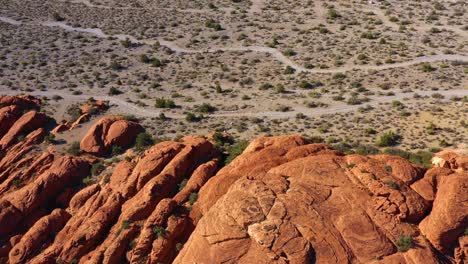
[233, 131]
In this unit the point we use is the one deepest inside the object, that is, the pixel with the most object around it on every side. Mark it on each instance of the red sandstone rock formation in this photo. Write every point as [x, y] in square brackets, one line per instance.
[107, 132]
[282, 201]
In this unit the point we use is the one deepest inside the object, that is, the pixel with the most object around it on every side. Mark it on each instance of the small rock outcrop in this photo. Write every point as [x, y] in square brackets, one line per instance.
[107, 132]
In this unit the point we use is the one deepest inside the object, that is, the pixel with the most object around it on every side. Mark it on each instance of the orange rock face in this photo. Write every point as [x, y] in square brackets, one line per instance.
[107, 132]
[282, 201]
[322, 207]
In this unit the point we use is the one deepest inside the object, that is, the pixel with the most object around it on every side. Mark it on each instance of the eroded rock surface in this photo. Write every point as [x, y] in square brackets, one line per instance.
[323, 207]
[108, 132]
[283, 200]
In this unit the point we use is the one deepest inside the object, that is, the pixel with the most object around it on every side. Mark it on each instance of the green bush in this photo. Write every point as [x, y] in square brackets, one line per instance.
[265, 86]
[126, 43]
[182, 184]
[193, 198]
[280, 88]
[115, 65]
[235, 150]
[210, 23]
[332, 13]
[426, 67]
[289, 52]
[404, 243]
[144, 58]
[367, 150]
[159, 231]
[97, 168]
[206, 108]
[422, 158]
[392, 184]
[164, 103]
[116, 150]
[368, 35]
[143, 140]
[114, 91]
[289, 70]
[74, 149]
[389, 139]
[74, 112]
[191, 117]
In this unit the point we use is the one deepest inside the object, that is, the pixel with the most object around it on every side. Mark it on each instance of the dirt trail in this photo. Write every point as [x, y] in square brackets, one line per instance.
[124, 107]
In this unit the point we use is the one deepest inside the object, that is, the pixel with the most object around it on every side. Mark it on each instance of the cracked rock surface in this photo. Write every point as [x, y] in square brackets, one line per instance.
[283, 200]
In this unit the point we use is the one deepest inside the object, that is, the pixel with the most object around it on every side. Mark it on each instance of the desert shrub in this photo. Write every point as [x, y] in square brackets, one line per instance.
[392, 184]
[182, 184]
[332, 13]
[389, 139]
[74, 149]
[97, 168]
[57, 17]
[179, 246]
[57, 97]
[283, 108]
[404, 243]
[115, 65]
[368, 35]
[289, 70]
[164, 103]
[159, 231]
[305, 85]
[289, 52]
[143, 141]
[88, 181]
[280, 88]
[193, 198]
[114, 91]
[17, 183]
[126, 43]
[235, 150]
[354, 100]
[206, 108]
[426, 67]
[397, 103]
[339, 76]
[435, 30]
[50, 138]
[116, 150]
[74, 112]
[210, 23]
[343, 147]
[422, 158]
[155, 62]
[191, 117]
[130, 118]
[265, 86]
[367, 150]
[144, 58]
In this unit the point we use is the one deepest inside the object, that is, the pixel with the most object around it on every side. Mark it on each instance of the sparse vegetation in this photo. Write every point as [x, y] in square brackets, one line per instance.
[404, 243]
[74, 149]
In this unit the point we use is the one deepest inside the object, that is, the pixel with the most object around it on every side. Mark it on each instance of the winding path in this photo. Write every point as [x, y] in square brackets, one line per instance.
[124, 107]
[273, 52]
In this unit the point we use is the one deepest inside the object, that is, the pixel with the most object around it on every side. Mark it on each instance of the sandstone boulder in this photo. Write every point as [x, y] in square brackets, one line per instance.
[107, 132]
[449, 216]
